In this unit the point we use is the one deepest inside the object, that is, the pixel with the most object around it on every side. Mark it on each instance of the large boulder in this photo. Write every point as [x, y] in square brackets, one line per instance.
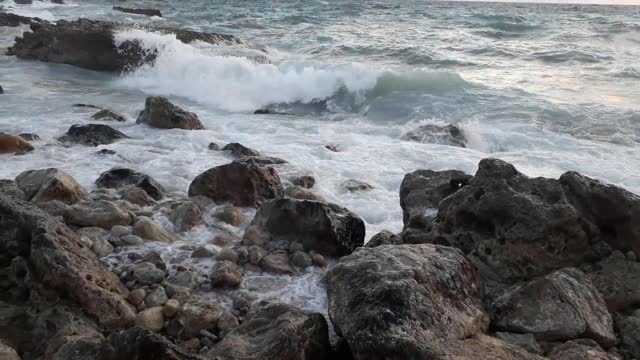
[401, 301]
[434, 134]
[561, 306]
[421, 191]
[101, 213]
[275, 332]
[161, 113]
[517, 227]
[241, 184]
[92, 135]
[617, 279]
[91, 44]
[50, 184]
[328, 229]
[12, 144]
[118, 177]
[10, 187]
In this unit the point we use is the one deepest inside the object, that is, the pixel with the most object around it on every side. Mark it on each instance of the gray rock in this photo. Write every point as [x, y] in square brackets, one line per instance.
[384, 237]
[101, 213]
[256, 253]
[117, 178]
[226, 274]
[106, 114]
[402, 300]
[629, 328]
[276, 262]
[102, 247]
[161, 113]
[305, 181]
[156, 297]
[205, 251]
[184, 279]
[132, 240]
[44, 185]
[197, 315]
[119, 230]
[301, 259]
[616, 278]
[93, 135]
[187, 216]
[10, 187]
[434, 134]
[525, 341]
[148, 275]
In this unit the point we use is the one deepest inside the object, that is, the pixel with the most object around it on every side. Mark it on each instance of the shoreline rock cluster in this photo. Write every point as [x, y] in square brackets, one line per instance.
[495, 265]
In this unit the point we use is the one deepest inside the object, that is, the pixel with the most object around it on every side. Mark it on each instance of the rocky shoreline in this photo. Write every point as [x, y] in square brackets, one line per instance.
[494, 265]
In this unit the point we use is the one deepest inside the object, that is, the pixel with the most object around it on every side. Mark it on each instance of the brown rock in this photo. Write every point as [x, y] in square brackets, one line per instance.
[230, 214]
[151, 319]
[149, 230]
[11, 144]
[137, 196]
[50, 184]
[160, 113]
[187, 216]
[198, 315]
[101, 213]
[226, 274]
[276, 262]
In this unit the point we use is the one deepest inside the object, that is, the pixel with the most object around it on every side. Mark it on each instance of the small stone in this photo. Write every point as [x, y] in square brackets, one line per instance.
[148, 275]
[301, 259]
[136, 196]
[137, 296]
[149, 230]
[198, 315]
[102, 247]
[106, 114]
[206, 251]
[191, 345]
[227, 321]
[276, 262]
[214, 146]
[157, 297]
[221, 240]
[171, 308]
[229, 255]
[106, 152]
[208, 343]
[155, 259]
[226, 274]
[238, 150]
[151, 319]
[132, 239]
[319, 260]
[29, 137]
[230, 214]
[331, 148]
[243, 254]
[256, 253]
[356, 185]
[120, 230]
[305, 181]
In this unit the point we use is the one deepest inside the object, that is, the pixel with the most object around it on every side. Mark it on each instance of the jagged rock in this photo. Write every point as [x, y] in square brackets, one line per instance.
[326, 228]
[561, 306]
[92, 135]
[434, 134]
[13, 20]
[629, 328]
[398, 301]
[580, 350]
[151, 319]
[198, 315]
[241, 184]
[149, 230]
[274, 332]
[90, 44]
[616, 278]
[146, 12]
[10, 187]
[356, 185]
[305, 181]
[161, 113]
[384, 237]
[106, 114]
[239, 150]
[230, 214]
[101, 213]
[421, 191]
[117, 178]
[11, 144]
[226, 274]
[50, 184]
[136, 196]
[187, 216]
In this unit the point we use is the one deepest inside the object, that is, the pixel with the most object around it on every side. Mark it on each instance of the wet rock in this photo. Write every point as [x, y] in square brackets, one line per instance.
[148, 274]
[325, 228]
[132, 240]
[54, 208]
[101, 213]
[616, 278]
[573, 350]
[10, 187]
[161, 113]
[141, 344]
[525, 341]
[222, 240]
[276, 262]
[318, 259]
[184, 279]
[106, 114]
[480, 347]
[151, 319]
[230, 214]
[50, 184]
[421, 191]
[2, 92]
[333, 148]
[117, 178]
[137, 296]
[11, 144]
[106, 152]
[102, 247]
[301, 259]
[136, 196]
[119, 230]
[356, 185]
[239, 150]
[171, 308]
[155, 259]
[274, 332]
[187, 216]
[156, 297]
[256, 253]
[401, 300]
[384, 237]
[305, 181]
[300, 193]
[227, 322]
[214, 146]
[29, 137]
[92, 135]
[561, 306]
[146, 12]
[13, 20]
[205, 251]
[228, 255]
[197, 315]
[226, 274]
[240, 184]
[434, 134]
[262, 160]
[149, 230]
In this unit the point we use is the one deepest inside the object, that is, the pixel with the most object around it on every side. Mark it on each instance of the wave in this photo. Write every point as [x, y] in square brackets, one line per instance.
[506, 23]
[235, 83]
[562, 55]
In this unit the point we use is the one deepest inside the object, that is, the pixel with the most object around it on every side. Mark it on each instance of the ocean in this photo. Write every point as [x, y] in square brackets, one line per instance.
[549, 88]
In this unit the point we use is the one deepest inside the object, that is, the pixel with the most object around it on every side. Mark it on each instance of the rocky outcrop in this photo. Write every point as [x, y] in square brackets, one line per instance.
[399, 302]
[275, 332]
[12, 144]
[161, 113]
[117, 178]
[238, 183]
[90, 44]
[328, 229]
[434, 134]
[44, 185]
[561, 306]
[146, 12]
[13, 20]
[92, 135]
